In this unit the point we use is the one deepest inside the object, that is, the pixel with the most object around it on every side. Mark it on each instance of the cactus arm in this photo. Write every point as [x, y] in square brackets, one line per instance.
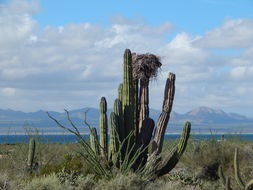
[31, 153]
[128, 98]
[94, 141]
[177, 153]
[103, 127]
[236, 170]
[165, 115]
[143, 140]
[114, 138]
[221, 175]
[117, 109]
[228, 185]
[120, 91]
[249, 185]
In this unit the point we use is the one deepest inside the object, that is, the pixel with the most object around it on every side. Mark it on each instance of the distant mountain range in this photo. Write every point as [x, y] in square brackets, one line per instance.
[203, 120]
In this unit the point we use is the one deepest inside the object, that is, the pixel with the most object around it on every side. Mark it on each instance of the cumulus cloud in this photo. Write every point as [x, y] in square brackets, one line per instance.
[234, 33]
[73, 65]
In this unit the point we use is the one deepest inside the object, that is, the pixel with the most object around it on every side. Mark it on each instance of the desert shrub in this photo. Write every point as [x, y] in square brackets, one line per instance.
[50, 182]
[86, 182]
[205, 152]
[70, 163]
[66, 176]
[122, 182]
[4, 181]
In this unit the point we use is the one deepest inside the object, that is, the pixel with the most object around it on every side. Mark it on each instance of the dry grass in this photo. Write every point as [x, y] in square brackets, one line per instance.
[198, 154]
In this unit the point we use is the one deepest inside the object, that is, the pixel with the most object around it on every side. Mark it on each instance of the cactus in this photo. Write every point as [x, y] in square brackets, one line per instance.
[120, 91]
[136, 108]
[143, 102]
[31, 154]
[114, 138]
[128, 93]
[94, 141]
[103, 127]
[172, 160]
[249, 184]
[221, 175]
[131, 128]
[236, 170]
[117, 109]
[165, 115]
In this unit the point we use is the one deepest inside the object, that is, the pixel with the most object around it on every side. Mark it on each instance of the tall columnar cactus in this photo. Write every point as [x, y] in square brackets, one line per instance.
[242, 185]
[130, 118]
[103, 127]
[117, 109]
[94, 141]
[128, 93]
[165, 115]
[114, 138]
[31, 153]
[124, 119]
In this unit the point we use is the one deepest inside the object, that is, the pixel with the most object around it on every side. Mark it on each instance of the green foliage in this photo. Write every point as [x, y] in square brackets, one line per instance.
[122, 182]
[70, 163]
[50, 182]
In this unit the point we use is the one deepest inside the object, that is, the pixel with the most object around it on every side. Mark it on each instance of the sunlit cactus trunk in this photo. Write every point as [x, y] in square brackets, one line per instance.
[165, 115]
[143, 101]
[103, 127]
[128, 93]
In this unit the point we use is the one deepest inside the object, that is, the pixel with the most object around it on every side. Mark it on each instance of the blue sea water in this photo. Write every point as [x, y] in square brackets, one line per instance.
[71, 138]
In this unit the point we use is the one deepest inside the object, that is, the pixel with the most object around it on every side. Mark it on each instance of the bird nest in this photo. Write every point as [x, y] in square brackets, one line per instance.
[145, 66]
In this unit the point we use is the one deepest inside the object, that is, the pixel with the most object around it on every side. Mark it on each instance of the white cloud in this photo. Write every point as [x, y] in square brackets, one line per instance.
[8, 91]
[73, 65]
[234, 33]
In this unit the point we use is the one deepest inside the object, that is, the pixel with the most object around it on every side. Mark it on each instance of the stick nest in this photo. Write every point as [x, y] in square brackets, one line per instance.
[145, 66]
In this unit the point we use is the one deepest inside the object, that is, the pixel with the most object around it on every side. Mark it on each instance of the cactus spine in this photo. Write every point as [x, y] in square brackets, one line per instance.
[94, 141]
[31, 153]
[103, 127]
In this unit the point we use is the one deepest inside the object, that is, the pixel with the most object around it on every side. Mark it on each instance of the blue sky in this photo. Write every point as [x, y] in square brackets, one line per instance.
[194, 16]
[57, 54]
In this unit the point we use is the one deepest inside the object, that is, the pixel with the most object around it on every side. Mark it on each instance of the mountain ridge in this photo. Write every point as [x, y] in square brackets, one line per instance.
[201, 117]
